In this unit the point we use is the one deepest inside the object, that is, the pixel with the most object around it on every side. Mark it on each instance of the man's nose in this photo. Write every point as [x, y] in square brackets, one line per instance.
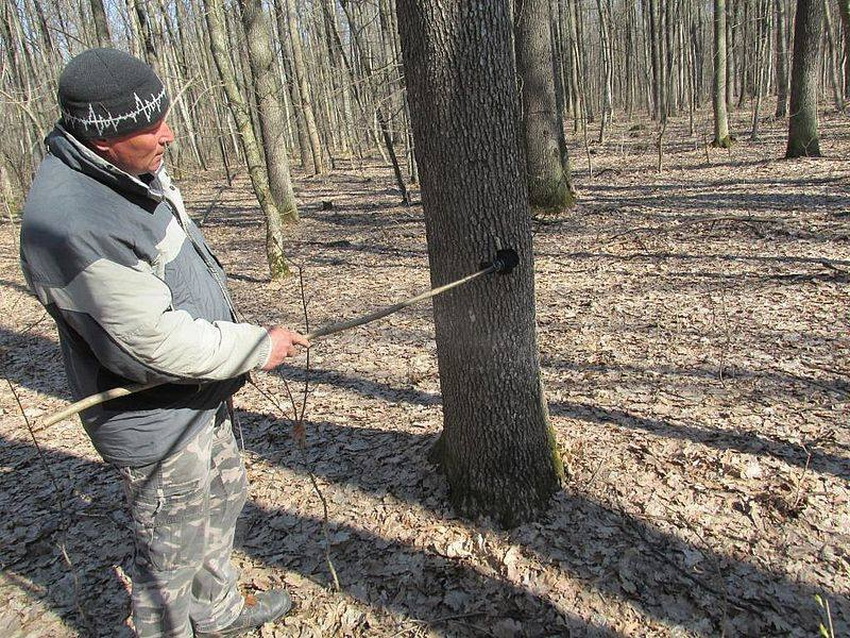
[166, 135]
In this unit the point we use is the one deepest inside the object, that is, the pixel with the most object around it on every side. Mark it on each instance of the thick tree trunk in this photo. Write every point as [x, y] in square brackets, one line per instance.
[497, 448]
[268, 92]
[548, 169]
[256, 168]
[721, 117]
[803, 121]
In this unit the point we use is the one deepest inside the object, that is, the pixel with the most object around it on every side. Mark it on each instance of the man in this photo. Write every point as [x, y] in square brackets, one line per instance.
[137, 296]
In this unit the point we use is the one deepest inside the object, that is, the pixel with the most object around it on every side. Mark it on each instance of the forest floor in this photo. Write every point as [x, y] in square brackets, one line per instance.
[693, 328]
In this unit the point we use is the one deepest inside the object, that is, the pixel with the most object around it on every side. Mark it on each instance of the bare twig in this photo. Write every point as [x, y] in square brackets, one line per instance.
[298, 432]
[60, 505]
[60, 502]
[799, 487]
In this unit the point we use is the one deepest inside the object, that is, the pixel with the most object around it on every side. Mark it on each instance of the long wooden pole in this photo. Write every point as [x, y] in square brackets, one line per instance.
[505, 261]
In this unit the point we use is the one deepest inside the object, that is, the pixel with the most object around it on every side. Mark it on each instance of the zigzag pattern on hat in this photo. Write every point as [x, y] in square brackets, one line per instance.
[101, 124]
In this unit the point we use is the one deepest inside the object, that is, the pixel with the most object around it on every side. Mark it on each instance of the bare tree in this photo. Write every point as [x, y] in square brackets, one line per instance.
[781, 61]
[803, 137]
[256, 168]
[101, 26]
[548, 167]
[721, 117]
[497, 448]
[304, 94]
[844, 10]
[832, 62]
[268, 93]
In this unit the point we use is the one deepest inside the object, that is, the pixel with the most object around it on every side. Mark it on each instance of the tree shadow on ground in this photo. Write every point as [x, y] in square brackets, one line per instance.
[602, 551]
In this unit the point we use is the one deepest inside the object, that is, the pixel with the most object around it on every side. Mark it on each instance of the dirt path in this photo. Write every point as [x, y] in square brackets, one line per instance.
[694, 336]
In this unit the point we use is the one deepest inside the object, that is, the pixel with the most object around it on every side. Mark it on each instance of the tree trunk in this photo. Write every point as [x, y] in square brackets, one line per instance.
[101, 26]
[270, 105]
[306, 106]
[548, 168]
[497, 448]
[657, 71]
[844, 10]
[781, 61]
[731, 37]
[721, 117]
[256, 169]
[607, 51]
[837, 93]
[378, 111]
[803, 122]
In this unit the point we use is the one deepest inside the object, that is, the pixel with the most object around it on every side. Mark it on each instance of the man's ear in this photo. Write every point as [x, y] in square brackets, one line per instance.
[100, 145]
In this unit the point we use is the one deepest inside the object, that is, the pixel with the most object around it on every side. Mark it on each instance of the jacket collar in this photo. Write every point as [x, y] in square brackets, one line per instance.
[80, 157]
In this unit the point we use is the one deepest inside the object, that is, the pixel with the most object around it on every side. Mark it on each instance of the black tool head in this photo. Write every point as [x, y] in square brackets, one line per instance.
[506, 260]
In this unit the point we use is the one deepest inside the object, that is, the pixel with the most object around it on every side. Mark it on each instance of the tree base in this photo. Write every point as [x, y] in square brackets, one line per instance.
[550, 196]
[278, 268]
[508, 499]
[726, 142]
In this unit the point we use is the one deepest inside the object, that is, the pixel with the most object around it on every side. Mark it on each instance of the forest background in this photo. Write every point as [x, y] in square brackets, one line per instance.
[692, 308]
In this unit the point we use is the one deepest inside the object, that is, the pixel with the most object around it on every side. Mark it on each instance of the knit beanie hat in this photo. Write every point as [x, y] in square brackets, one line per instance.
[107, 93]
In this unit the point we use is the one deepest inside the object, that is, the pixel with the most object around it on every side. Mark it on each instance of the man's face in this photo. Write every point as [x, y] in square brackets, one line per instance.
[139, 152]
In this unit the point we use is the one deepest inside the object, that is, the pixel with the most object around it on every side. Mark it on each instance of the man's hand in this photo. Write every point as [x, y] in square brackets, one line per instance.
[284, 344]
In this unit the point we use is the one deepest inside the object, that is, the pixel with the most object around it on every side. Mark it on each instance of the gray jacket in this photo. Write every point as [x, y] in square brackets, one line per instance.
[137, 296]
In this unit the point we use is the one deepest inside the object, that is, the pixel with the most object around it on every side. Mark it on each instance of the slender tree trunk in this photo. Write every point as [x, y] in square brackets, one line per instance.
[256, 169]
[655, 53]
[607, 51]
[306, 106]
[721, 118]
[731, 37]
[835, 80]
[304, 147]
[497, 448]
[803, 137]
[762, 53]
[380, 116]
[781, 61]
[270, 104]
[101, 26]
[844, 10]
[548, 169]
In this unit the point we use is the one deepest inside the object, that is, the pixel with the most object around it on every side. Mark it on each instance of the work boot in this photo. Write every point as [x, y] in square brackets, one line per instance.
[258, 609]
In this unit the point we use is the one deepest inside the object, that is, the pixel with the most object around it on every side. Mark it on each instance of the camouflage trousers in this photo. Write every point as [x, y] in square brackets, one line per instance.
[184, 511]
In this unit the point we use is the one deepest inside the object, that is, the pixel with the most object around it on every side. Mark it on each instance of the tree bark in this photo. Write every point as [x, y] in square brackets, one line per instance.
[781, 61]
[658, 71]
[837, 93]
[101, 26]
[548, 168]
[844, 10]
[306, 105]
[803, 138]
[278, 267]
[497, 448]
[268, 92]
[721, 117]
[380, 117]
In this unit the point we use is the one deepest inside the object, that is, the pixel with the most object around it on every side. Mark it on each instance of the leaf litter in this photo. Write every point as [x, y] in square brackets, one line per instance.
[693, 330]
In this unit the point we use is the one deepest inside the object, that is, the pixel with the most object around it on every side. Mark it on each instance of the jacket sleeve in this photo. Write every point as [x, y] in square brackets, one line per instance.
[125, 315]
